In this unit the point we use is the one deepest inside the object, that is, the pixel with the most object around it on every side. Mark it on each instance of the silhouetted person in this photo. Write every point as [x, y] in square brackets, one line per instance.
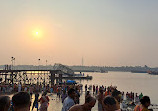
[4, 103]
[109, 103]
[21, 101]
[100, 98]
[117, 96]
[87, 106]
[69, 101]
[35, 103]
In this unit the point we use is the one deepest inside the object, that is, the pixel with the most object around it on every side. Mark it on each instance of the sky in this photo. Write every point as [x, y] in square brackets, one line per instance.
[102, 32]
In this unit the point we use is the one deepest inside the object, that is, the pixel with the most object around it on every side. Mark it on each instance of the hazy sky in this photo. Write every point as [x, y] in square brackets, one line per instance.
[103, 32]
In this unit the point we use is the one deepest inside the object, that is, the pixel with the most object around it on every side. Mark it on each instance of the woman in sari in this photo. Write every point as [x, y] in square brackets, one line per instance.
[44, 101]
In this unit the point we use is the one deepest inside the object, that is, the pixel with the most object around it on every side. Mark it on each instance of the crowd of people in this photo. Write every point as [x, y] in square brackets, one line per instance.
[109, 98]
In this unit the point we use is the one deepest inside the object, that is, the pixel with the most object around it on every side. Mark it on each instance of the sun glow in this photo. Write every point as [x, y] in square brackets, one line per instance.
[36, 33]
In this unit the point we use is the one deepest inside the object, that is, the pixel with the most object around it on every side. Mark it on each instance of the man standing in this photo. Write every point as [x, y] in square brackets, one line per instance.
[87, 106]
[100, 98]
[35, 103]
[19, 87]
[69, 101]
[21, 101]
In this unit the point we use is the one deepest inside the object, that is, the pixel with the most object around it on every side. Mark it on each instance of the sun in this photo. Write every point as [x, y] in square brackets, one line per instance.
[36, 33]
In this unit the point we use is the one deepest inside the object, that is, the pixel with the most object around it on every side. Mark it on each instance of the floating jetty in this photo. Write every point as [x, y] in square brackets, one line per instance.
[153, 72]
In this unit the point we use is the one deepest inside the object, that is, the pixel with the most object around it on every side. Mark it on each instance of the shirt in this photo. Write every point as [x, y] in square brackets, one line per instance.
[68, 103]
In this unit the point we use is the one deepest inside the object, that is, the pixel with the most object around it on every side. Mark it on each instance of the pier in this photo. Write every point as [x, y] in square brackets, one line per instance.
[36, 76]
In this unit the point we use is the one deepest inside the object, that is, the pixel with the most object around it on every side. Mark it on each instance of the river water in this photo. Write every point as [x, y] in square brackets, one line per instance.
[125, 81]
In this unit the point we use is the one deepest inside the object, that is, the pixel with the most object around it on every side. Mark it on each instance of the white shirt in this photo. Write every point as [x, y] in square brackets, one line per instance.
[19, 87]
[68, 103]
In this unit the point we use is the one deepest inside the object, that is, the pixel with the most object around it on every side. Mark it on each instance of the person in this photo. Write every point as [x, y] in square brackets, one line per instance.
[44, 101]
[145, 103]
[77, 96]
[109, 103]
[21, 101]
[69, 101]
[100, 97]
[31, 90]
[51, 89]
[87, 94]
[93, 89]
[140, 95]
[87, 106]
[59, 92]
[19, 87]
[35, 103]
[137, 99]
[86, 88]
[64, 95]
[107, 92]
[96, 90]
[4, 103]
[117, 96]
[122, 96]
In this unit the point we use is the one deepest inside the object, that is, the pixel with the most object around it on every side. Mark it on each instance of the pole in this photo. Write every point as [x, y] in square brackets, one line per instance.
[14, 63]
[12, 58]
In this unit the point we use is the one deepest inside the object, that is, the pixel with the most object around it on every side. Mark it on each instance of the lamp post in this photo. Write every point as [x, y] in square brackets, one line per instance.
[38, 70]
[13, 62]
[38, 63]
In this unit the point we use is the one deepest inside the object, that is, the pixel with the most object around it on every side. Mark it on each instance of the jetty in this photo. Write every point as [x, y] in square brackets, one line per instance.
[39, 76]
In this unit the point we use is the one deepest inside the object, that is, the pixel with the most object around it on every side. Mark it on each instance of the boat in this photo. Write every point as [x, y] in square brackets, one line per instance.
[103, 71]
[153, 72]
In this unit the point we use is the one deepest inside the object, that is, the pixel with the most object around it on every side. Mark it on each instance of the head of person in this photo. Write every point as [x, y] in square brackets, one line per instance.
[21, 101]
[109, 103]
[4, 103]
[44, 93]
[89, 103]
[117, 95]
[87, 93]
[100, 90]
[71, 93]
[145, 101]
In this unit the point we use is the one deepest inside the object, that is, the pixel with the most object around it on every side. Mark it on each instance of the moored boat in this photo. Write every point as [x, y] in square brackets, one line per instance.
[153, 72]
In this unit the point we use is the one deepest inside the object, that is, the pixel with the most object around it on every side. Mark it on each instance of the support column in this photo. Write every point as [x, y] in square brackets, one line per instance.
[11, 77]
[52, 77]
[5, 74]
[60, 77]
